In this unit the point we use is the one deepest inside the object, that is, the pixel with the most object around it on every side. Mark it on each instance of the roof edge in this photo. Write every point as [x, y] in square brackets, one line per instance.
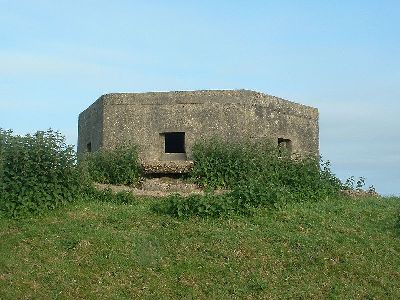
[109, 97]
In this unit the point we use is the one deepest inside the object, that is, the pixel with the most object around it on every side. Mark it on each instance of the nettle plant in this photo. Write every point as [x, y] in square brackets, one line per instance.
[256, 174]
[358, 185]
[37, 172]
[113, 166]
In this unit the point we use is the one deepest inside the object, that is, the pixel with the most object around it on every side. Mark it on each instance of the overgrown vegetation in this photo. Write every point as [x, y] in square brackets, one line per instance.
[40, 172]
[116, 166]
[37, 172]
[258, 174]
[358, 185]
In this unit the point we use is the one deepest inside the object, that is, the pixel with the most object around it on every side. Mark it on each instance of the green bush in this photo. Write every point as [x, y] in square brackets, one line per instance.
[257, 174]
[223, 164]
[116, 166]
[37, 172]
[228, 164]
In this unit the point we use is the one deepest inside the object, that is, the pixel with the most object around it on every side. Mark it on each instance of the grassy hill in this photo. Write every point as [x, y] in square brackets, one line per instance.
[333, 249]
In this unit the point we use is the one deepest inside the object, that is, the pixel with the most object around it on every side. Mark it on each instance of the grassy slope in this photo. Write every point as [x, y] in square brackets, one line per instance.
[347, 249]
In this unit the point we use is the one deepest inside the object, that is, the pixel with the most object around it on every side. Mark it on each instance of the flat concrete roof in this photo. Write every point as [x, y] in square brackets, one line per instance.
[203, 97]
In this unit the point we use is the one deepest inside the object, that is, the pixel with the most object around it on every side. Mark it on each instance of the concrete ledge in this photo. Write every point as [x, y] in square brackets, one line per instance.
[167, 167]
[174, 157]
[159, 187]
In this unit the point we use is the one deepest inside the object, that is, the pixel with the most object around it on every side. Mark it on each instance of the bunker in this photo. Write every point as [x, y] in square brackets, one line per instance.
[166, 125]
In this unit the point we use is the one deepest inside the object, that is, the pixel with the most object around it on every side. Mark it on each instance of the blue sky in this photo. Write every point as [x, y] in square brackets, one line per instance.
[343, 57]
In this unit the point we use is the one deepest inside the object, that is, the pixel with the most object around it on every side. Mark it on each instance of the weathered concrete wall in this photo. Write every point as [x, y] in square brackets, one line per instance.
[233, 115]
[90, 127]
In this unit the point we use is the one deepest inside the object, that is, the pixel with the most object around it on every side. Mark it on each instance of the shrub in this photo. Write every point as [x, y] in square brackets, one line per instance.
[257, 174]
[37, 172]
[229, 165]
[223, 164]
[117, 166]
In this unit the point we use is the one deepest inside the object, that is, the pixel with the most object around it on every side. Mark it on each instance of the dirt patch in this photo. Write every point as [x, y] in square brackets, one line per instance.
[159, 187]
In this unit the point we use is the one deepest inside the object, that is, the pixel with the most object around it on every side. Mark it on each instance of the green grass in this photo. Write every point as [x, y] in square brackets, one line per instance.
[342, 249]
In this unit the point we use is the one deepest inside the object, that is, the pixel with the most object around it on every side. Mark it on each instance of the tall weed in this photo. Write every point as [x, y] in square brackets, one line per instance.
[37, 172]
[221, 164]
[257, 174]
[116, 166]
